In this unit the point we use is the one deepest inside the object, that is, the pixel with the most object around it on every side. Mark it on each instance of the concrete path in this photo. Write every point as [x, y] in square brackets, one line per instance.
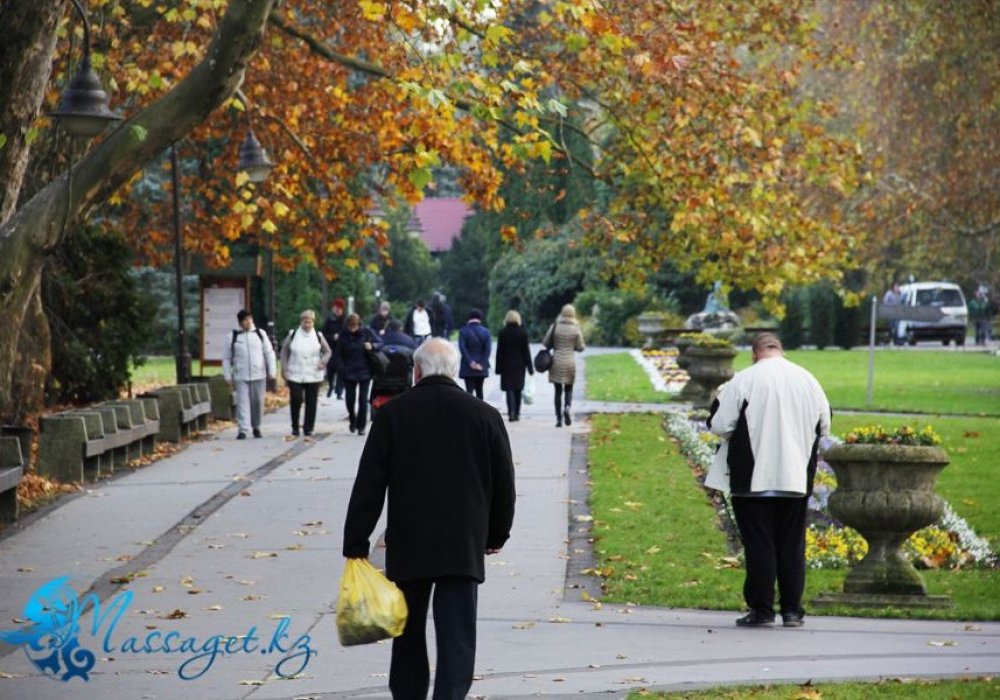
[226, 536]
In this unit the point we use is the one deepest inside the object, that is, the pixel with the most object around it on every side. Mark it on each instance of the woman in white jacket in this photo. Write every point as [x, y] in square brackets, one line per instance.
[304, 355]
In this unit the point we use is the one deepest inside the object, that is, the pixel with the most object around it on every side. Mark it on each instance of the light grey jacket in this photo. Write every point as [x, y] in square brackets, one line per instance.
[248, 358]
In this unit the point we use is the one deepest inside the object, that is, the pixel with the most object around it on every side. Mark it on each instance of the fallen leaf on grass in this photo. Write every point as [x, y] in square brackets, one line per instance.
[655, 549]
[808, 694]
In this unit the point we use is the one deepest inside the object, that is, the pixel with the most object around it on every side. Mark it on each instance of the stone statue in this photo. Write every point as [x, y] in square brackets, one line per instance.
[716, 314]
[716, 300]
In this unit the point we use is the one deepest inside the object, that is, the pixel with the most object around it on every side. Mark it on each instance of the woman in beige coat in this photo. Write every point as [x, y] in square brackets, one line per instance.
[564, 337]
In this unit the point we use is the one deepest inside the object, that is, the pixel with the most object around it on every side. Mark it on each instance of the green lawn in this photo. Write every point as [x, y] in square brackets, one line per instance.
[657, 540]
[909, 381]
[163, 370]
[906, 380]
[963, 689]
[617, 377]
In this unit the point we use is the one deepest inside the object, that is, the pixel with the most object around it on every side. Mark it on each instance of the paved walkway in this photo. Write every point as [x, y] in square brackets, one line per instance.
[228, 535]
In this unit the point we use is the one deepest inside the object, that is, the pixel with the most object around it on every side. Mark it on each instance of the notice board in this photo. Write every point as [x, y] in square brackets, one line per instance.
[221, 300]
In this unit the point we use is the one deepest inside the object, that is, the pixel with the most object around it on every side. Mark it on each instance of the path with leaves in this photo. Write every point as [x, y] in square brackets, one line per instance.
[226, 535]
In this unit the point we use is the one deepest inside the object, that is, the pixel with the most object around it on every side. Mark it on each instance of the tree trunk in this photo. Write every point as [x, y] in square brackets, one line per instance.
[41, 223]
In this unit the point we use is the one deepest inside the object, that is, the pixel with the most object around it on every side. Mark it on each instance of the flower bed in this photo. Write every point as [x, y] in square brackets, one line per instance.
[661, 367]
[950, 543]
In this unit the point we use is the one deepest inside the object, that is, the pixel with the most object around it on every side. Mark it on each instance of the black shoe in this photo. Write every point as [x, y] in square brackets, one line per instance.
[340, 397]
[566, 417]
[353, 426]
[754, 619]
[792, 620]
[558, 423]
[307, 433]
[330, 393]
[361, 431]
[295, 432]
[241, 435]
[256, 432]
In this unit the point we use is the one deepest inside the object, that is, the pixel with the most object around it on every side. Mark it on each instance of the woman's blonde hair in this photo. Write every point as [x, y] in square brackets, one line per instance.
[568, 311]
[512, 317]
[308, 313]
[352, 321]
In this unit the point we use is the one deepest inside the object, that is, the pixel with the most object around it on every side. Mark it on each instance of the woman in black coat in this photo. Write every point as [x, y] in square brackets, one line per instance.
[513, 358]
[351, 356]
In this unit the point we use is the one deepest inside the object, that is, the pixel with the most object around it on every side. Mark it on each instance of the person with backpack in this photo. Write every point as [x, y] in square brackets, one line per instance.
[248, 362]
[304, 355]
[353, 347]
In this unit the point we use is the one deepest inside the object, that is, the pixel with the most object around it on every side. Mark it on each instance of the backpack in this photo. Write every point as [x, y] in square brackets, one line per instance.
[291, 337]
[236, 334]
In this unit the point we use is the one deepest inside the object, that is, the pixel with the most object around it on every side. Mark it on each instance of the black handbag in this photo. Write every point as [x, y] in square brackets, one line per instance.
[543, 360]
[378, 361]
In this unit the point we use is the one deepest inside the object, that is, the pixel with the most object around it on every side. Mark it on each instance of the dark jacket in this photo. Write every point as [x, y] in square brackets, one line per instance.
[350, 355]
[379, 322]
[449, 500]
[475, 344]
[399, 338]
[513, 357]
[332, 327]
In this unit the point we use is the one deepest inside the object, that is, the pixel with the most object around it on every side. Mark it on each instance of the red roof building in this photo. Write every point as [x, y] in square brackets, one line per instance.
[440, 221]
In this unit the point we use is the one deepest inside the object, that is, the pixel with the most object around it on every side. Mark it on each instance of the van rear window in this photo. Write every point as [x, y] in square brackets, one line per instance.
[939, 297]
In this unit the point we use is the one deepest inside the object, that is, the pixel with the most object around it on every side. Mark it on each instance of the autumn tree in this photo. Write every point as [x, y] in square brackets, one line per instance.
[920, 82]
[691, 111]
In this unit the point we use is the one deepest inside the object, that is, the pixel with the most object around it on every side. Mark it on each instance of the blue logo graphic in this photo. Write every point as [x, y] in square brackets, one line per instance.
[52, 639]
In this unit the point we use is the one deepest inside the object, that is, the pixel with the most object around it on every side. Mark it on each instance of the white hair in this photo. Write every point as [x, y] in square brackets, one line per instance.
[436, 356]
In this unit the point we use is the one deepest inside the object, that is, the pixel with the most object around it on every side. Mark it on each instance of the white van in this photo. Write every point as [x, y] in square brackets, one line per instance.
[944, 295]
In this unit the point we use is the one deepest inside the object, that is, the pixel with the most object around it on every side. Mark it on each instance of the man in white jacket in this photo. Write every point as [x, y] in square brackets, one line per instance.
[771, 416]
[247, 362]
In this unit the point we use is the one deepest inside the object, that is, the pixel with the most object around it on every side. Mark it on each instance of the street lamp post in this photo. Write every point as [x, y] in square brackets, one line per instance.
[83, 109]
[183, 358]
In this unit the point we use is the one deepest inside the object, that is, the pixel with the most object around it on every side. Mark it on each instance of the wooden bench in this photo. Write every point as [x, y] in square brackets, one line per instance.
[11, 471]
[73, 446]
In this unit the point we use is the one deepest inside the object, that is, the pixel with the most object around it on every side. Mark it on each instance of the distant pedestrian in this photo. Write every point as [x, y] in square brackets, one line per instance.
[565, 338]
[893, 297]
[247, 362]
[381, 318]
[475, 345]
[304, 356]
[332, 327]
[981, 315]
[443, 323]
[352, 362]
[419, 322]
[771, 417]
[513, 358]
[450, 503]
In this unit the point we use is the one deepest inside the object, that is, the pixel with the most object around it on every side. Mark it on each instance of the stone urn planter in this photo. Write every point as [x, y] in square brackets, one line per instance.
[652, 325]
[886, 493]
[709, 368]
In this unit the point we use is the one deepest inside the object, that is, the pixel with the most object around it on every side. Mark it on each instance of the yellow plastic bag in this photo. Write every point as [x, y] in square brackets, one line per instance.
[370, 607]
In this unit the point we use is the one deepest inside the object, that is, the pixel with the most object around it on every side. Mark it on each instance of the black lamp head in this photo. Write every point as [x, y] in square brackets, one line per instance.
[253, 158]
[83, 109]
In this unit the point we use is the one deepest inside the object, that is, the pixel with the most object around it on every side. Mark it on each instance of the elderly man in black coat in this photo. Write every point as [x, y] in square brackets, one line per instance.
[451, 501]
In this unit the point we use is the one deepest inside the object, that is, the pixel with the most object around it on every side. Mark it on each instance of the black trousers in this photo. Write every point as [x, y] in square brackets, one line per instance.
[560, 390]
[474, 385]
[455, 601]
[334, 380]
[356, 398]
[774, 542]
[307, 393]
[514, 402]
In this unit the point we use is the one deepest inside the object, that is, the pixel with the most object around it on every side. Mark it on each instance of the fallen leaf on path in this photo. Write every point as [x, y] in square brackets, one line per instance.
[523, 626]
[263, 555]
[251, 682]
[159, 589]
[973, 628]
[948, 643]
[253, 596]
[177, 614]
[295, 547]
[559, 620]
[214, 607]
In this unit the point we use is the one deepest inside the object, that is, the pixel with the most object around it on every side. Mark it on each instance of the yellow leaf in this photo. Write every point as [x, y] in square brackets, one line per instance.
[352, 263]
[280, 209]
[242, 178]
[269, 226]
